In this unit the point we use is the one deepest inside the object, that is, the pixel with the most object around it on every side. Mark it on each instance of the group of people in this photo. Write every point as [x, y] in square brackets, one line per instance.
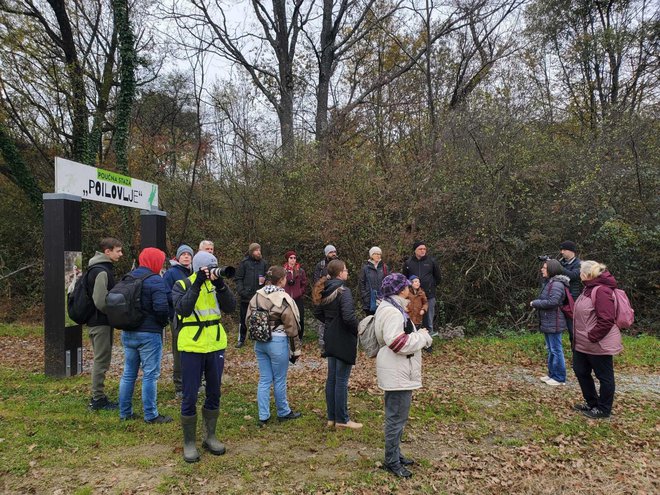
[585, 289]
[192, 296]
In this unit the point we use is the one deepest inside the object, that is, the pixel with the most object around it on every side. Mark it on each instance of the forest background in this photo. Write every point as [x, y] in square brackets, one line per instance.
[491, 129]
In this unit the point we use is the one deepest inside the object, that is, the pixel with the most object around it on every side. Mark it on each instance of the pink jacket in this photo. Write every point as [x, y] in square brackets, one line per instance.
[595, 331]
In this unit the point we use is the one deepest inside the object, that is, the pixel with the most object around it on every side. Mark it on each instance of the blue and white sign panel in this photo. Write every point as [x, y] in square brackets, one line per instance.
[103, 185]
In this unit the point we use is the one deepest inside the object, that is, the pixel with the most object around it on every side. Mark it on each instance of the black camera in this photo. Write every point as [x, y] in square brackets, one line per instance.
[222, 271]
[544, 257]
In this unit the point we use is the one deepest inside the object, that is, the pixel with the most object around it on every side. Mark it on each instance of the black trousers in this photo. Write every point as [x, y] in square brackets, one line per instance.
[301, 310]
[242, 329]
[603, 368]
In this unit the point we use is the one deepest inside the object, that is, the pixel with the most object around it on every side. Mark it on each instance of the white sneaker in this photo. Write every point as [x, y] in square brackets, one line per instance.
[554, 382]
[545, 378]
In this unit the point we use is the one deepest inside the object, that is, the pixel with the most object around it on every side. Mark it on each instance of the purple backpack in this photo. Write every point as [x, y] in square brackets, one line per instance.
[623, 310]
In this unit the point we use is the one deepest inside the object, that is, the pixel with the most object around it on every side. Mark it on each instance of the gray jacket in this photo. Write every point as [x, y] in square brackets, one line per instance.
[548, 305]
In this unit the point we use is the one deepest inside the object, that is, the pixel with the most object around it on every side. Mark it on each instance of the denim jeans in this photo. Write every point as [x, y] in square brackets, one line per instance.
[556, 363]
[429, 315]
[273, 360]
[193, 366]
[336, 390]
[141, 350]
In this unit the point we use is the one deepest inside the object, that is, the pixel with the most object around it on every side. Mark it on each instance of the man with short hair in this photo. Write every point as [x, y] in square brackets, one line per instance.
[250, 277]
[207, 246]
[101, 279]
[180, 268]
[427, 270]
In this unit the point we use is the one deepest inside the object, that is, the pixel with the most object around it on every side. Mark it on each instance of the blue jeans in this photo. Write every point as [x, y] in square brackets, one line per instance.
[556, 363]
[193, 366]
[336, 390]
[141, 350]
[273, 360]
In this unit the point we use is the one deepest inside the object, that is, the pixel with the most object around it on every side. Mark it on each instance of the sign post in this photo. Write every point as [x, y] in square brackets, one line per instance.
[63, 248]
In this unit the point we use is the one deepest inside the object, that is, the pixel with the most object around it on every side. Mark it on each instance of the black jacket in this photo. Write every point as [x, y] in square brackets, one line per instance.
[184, 300]
[337, 311]
[572, 271]
[371, 277]
[426, 269]
[247, 277]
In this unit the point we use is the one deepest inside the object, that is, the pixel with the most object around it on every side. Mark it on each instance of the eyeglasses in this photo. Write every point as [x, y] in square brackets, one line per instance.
[292, 257]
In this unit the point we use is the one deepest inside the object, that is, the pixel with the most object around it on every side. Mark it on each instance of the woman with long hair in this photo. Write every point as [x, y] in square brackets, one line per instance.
[273, 356]
[333, 305]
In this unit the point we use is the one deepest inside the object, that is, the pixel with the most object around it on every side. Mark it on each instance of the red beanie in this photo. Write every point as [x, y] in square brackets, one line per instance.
[152, 258]
[289, 253]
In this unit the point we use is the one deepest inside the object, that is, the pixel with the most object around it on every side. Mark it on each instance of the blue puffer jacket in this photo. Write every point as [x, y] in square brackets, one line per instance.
[154, 301]
[175, 272]
[552, 297]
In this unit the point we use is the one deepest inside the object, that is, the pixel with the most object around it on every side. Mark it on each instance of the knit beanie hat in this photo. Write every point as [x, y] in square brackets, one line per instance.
[570, 245]
[416, 244]
[203, 258]
[289, 253]
[374, 250]
[412, 277]
[253, 247]
[184, 248]
[152, 258]
[328, 249]
[393, 284]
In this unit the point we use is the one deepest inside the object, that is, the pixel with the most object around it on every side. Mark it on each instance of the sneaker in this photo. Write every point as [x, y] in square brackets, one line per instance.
[595, 413]
[102, 404]
[240, 344]
[581, 407]
[290, 416]
[263, 422]
[405, 461]
[545, 378]
[130, 418]
[434, 334]
[351, 425]
[158, 420]
[554, 383]
[331, 424]
[399, 471]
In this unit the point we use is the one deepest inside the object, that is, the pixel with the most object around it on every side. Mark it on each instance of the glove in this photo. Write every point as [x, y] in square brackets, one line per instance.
[201, 275]
[219, 284]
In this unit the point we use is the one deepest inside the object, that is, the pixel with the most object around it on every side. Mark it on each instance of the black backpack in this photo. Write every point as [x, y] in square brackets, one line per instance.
[123, 304]
[79, 303]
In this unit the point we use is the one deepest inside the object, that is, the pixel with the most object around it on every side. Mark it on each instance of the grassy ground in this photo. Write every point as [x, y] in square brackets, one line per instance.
[483, 423]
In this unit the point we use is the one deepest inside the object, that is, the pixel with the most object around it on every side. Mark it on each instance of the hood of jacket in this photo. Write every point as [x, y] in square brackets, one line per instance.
[330, 292]
[99, 258]
[152, 258]
[563, 279]
[276, 297]
[605, 278]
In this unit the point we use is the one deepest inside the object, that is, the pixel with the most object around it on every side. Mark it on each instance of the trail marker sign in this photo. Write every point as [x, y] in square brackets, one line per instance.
[98, 184]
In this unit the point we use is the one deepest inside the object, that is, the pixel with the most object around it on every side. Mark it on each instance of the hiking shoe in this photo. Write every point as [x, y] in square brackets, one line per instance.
[263, 422]
[406, 461]
[399, 471]
[102, 404]
[554, 383]
[595, 413]
[240, 344]
[581, 407]
[130, 418]
[158, 420]
[351, 425]
[290, 416]
[545, 378]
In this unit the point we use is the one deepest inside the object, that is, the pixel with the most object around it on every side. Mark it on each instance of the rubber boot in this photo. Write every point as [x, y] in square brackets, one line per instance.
[189, 425]
[211, 443]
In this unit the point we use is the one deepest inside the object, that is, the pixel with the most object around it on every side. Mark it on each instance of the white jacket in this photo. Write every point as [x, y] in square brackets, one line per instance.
[399, 361]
